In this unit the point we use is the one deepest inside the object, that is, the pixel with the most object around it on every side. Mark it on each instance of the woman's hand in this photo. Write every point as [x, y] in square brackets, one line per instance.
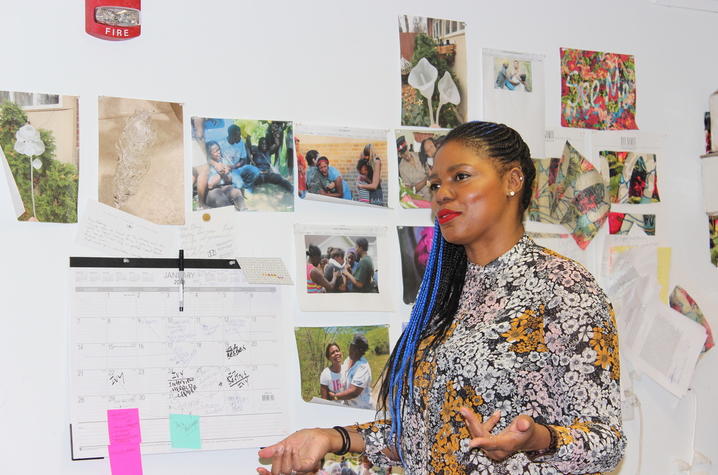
[301, 452]
[522, 434]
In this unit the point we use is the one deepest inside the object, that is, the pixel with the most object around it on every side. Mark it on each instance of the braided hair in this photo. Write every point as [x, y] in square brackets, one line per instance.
[438, 298]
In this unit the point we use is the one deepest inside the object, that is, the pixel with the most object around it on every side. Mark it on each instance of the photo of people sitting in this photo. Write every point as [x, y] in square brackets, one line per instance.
[341, 365]
[416, 150]
[337, 264]
[344, 168]
[512, 75]
[353, 464]
[242, 163]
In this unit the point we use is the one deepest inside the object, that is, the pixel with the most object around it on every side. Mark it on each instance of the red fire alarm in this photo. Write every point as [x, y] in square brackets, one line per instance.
[113, 19]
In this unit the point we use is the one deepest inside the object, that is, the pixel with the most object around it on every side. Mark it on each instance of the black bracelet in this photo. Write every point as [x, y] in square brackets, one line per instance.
[346, 442]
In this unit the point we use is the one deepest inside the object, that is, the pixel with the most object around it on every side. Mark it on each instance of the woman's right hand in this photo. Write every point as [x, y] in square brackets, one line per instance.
[301, 452]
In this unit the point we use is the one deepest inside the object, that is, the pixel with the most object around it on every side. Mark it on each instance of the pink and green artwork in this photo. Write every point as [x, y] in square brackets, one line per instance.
[598, 90]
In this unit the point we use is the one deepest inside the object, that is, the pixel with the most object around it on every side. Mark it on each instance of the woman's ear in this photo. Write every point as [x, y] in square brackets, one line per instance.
[515, 181]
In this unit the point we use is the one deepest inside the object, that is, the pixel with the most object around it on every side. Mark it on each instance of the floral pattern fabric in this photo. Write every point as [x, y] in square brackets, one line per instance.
[535, 335]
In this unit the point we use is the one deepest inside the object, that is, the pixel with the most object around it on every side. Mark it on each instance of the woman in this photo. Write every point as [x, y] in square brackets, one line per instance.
[316, 283]
[427, 151]
[509, 363]
[376, 195]
[331, 378]
[357, 376]
[327, 180]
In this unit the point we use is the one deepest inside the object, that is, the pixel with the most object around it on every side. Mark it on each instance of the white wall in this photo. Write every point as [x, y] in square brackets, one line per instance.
[327, 62]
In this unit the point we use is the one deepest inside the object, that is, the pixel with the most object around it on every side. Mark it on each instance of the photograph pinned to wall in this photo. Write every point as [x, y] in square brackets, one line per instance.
[342, 165]
[433, 72]
[40, 151]
[633, 177]
[416, 149]
[598, 90]
[354, 464]
[514, 94]
[141, 162]
[340, 268]
[713, 238]
[341, 365]
[415, 245]
[682, 302]
[625, 224]
[247, 164]
[571, 192]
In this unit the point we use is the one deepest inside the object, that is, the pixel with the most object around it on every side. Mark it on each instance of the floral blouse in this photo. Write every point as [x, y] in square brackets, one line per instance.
[535, 335]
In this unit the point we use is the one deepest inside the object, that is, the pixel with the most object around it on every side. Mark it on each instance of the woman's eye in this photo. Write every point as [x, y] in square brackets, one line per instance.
[461, 176]
[433, 186]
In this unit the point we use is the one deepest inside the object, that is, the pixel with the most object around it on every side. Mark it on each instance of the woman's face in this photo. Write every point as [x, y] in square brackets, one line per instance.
[430, 148]
[323, 167]
[469, 197]
[215, 152]
[335, 354]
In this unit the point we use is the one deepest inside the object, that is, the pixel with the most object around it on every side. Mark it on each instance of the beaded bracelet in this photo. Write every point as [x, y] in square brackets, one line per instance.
[346, 442]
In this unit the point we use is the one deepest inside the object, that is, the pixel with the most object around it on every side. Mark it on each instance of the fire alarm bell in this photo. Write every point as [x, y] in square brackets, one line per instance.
[112, 19]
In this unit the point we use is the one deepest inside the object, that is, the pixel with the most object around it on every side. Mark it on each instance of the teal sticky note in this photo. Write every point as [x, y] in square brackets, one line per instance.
[184, 431]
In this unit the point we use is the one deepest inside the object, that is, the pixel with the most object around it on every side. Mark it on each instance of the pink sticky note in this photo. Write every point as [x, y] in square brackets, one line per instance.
[123, 426]
[125, 459]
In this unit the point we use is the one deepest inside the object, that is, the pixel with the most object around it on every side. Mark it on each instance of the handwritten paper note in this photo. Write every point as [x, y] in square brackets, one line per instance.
[123, 426]
[210, 234]
[184, 431]
[125, 459]
[123, 235]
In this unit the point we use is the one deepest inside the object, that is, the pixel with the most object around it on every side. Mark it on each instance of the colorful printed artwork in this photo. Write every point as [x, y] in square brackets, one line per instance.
[598, 90]
[433, 71]
[622, 223]
[632, 177]
[682, 302]
[569, 191]
[713, 230]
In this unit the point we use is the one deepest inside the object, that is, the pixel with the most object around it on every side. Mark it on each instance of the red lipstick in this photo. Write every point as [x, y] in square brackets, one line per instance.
[446, 215]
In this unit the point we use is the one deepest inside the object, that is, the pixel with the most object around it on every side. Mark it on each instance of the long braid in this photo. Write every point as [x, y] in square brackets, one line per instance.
[439, 294]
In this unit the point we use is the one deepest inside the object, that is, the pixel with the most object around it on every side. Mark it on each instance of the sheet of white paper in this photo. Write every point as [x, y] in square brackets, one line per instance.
[221, 358]
[210, 234]
[669, 349]
[12, 187]
[520, 106]
[120, 234]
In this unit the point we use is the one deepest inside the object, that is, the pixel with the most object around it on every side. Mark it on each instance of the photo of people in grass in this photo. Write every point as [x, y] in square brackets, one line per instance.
[247, 164]
[433, 71]
[338, 264]
[342, 365]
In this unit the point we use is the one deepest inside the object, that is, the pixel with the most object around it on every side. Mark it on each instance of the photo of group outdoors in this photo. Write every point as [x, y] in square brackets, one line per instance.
[414, 246]
[341, 365]
[141, 162]
[353, 464]
[416, 149]
[512, 74]
[338, 264]
[39, 148]
[247, 164]
[433, 72]
[342, 164]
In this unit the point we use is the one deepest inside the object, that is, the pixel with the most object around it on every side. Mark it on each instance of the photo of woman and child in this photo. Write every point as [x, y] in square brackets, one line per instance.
[340, 365]
[416, 150]
[337, 264]
[242, 163]
[345, 168]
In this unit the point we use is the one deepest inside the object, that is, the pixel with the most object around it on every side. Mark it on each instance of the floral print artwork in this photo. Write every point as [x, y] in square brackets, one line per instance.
[535, 335]
[598, 90]
[569, 191]
[632, 177]
[622, 223]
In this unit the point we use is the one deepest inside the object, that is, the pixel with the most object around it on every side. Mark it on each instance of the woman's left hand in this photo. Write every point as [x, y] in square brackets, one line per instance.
[521, 434]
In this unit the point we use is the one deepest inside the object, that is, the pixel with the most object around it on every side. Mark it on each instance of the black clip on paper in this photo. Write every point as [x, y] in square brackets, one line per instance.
[181, 280]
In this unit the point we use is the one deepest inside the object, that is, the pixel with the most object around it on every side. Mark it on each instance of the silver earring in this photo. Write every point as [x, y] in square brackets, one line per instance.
[512, 193]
